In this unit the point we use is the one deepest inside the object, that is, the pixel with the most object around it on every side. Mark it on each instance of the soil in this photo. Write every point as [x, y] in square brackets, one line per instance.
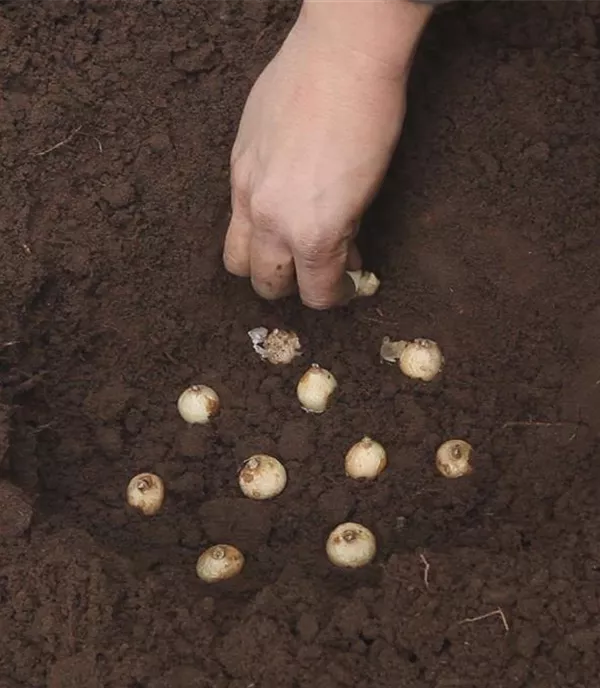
[116, 124]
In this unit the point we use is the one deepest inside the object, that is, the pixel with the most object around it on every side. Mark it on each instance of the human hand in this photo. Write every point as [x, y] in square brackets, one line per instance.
[315, 140]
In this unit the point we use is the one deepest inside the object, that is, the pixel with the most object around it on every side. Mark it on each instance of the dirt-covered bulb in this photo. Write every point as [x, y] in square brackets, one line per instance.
[218, 563]
[279, 347]
[365, 459]
[453, 459]
[146, 493]
[351, 545]
[262, 477]
[198, 404]
[315, 389]
[421, 359]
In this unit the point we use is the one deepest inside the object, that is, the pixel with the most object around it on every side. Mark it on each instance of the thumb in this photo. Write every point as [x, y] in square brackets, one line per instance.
[321, 276]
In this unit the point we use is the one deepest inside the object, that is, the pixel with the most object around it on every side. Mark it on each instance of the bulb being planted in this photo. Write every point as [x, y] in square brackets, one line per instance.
[365, 459]
[351, 545]
[420, 359]
[198, 404]
[453, 459]
[365, 283]
[219, 563]
[315, 389]
[262, 477]
[146, 493]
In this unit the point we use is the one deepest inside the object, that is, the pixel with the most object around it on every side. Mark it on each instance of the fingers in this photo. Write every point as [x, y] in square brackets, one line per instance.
[325, 283]
[236, 251]
[321, 275]
[276, 271]
[272, 267]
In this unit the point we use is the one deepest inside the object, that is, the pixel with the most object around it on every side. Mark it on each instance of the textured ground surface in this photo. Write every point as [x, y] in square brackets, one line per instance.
[114, 299]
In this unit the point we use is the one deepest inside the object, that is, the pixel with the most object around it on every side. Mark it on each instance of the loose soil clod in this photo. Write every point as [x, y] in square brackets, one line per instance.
[15, 511]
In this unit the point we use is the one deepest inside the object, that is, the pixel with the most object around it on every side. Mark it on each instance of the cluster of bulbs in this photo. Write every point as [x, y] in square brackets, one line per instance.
[349, 545]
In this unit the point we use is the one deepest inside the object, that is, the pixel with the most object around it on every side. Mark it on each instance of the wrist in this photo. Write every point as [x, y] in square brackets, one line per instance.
[380, 33]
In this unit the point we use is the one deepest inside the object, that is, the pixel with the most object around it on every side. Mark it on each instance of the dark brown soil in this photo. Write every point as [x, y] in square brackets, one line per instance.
[114, 299]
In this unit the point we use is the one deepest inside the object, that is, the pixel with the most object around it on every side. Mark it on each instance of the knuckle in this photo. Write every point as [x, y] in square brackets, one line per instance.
[312, 250]
[318, 245]
[266, 211]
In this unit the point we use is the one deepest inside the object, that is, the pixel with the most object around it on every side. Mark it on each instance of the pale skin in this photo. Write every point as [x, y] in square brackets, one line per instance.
[314, 142]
